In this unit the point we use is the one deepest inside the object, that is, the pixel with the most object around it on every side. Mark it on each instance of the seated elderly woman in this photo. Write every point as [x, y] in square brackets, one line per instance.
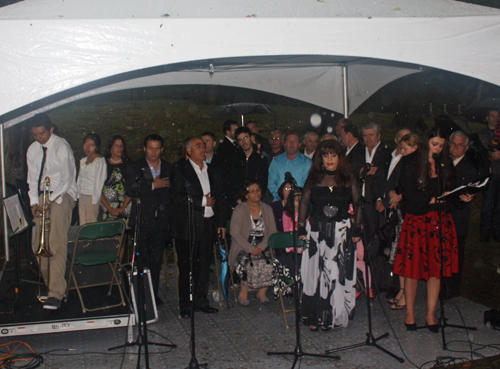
[251, 225]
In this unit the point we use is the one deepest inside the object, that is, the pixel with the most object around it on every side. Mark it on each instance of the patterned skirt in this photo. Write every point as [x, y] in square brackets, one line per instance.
[418, 254]
[328, 275]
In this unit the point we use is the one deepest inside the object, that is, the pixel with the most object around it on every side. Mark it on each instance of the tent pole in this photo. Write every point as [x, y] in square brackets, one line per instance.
[346, 96]
[4, 194]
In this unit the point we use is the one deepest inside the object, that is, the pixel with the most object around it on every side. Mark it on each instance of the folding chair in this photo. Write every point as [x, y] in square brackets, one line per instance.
[96, 244]
[233, 286]
[280, 241]
[216, 269]
[167, 254]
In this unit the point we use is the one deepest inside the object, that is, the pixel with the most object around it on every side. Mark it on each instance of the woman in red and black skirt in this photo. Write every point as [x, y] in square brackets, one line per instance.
[418, 254]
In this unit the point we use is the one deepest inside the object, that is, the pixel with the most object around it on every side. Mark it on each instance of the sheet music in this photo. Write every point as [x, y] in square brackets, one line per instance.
[15, 213]
[471, 188]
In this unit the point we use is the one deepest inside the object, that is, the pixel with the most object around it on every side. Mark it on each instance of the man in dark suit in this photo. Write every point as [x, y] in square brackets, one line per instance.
[227, 160]
[378, 154]
[193, 179]
[382, 265]
[355, 151]
[153, 175]
[466, 173]
[252, 166]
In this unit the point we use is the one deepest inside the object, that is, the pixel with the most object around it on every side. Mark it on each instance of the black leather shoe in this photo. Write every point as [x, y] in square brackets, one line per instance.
[185, 314]
[207, 310]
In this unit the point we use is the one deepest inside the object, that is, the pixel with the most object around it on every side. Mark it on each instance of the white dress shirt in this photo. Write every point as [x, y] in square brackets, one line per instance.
[395, 160]
[59, 167]
[91, 178]
[457, 160]
[310, 156]
[350, 148]
[205, 185]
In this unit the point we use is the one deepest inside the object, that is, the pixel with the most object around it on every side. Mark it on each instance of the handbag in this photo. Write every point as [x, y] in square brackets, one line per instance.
[256, 271]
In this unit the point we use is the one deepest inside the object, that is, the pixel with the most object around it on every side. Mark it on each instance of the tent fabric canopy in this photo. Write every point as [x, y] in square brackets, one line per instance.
[53, 52]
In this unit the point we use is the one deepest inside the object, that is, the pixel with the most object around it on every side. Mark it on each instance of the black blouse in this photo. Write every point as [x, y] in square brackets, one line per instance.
[415, 201]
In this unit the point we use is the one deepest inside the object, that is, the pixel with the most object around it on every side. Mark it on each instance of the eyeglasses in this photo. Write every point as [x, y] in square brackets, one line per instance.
[460, 146]
[288, 188]
[276, 138]
[255, 191]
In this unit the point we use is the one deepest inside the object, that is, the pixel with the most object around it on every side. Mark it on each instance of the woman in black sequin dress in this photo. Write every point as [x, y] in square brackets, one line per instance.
[329, 259]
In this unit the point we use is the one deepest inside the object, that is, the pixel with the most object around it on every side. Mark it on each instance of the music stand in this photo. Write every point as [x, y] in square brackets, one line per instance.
[442, 320]
[142, 337]
[298, 353]
[370, 338]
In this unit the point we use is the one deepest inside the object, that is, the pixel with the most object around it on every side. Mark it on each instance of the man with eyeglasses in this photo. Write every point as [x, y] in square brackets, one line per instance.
[251, 165]
[277, 143]
[460, 210]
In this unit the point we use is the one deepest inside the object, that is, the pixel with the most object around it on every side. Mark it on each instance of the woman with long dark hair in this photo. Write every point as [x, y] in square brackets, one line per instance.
[114, 203]
[90, 179]
[328, 262]
[418, 255]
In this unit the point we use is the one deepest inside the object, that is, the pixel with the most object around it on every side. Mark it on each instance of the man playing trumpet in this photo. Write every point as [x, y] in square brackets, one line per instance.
[51, 156]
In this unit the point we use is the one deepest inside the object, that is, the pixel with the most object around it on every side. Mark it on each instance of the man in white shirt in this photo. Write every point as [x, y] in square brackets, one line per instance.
[466, 172]
[51, 156]
[196, 184]
[310, 144]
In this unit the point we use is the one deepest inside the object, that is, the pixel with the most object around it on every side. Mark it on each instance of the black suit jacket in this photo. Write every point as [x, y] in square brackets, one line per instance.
[185, 179]
[466, 173]
[374, 183]
[356, 159]
[154, 203]
[391, 183]
[227, 160]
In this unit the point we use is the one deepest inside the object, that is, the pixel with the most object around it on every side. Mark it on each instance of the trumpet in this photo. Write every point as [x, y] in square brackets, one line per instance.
[44, 245]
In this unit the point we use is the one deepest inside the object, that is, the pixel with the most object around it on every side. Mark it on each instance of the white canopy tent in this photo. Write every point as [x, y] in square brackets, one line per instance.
[331, 53]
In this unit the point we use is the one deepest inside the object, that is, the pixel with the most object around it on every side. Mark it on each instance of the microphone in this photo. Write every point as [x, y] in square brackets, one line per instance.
[365, 171]
[437, 159]
[290, 179]
[146, 174]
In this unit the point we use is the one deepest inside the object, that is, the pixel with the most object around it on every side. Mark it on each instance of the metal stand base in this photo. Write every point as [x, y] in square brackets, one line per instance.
[370, 341]
[298, 354]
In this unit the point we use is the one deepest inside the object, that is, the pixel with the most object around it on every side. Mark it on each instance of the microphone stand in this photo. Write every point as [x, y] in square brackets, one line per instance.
[370, 338]
[298, 353]
[193, 363]
[138, 272]
[442, 321]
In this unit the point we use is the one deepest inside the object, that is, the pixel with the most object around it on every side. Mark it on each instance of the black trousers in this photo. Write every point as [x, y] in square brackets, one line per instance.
[202, 257]
[153, 241]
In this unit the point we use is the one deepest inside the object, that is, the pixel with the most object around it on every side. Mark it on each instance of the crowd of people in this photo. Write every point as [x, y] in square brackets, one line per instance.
[354, 196]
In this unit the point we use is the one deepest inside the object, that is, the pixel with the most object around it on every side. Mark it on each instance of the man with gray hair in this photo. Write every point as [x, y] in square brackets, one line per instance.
[379, 156]
[196, 183]
[310, 144]
[460, 210]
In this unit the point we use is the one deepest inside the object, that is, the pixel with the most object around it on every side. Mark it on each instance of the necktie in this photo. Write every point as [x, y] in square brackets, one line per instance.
[41, 168]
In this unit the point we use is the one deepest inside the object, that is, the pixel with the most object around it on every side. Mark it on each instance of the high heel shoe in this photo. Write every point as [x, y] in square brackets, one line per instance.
[411, 327]
[434, 328]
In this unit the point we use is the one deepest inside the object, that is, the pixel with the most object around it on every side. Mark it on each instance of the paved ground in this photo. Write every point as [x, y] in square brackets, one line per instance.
[241, 338]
